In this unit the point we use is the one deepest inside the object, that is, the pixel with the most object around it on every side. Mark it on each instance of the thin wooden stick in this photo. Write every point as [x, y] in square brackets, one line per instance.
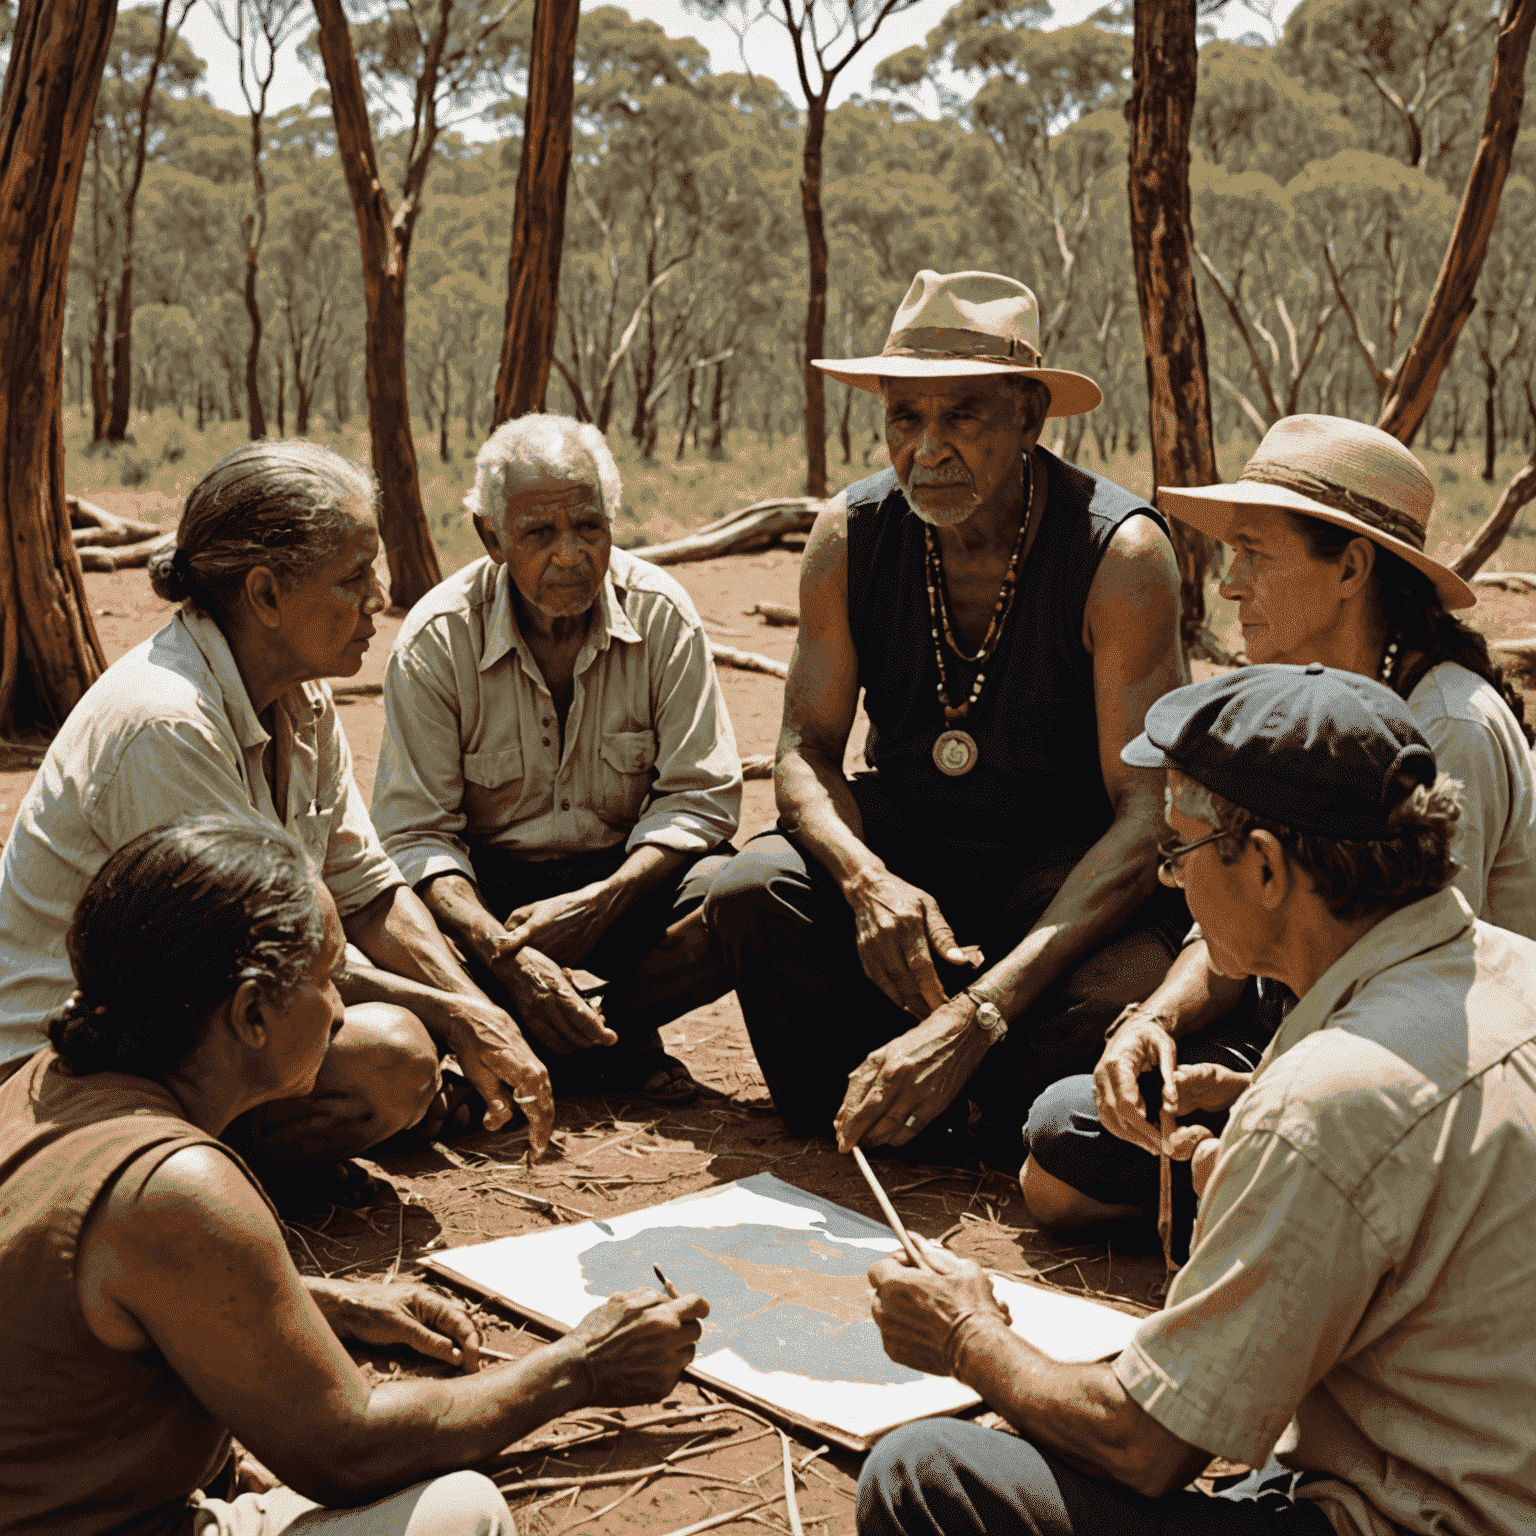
[1169, 1125]
[913, 1251]
[725, 1519]
[792, 1505]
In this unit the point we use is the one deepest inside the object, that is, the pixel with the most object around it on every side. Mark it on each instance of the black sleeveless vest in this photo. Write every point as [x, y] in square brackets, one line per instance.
[1037, 787]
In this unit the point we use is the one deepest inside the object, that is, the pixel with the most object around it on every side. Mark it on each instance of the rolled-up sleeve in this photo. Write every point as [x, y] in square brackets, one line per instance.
[418, 792]
[1284, 1270]
[356, 868]
[695, 801]
[1469, 754]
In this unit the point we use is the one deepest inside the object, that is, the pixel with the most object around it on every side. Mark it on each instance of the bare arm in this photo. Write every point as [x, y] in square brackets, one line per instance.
[198, 1264]
[898, 927]
[1081, 1412]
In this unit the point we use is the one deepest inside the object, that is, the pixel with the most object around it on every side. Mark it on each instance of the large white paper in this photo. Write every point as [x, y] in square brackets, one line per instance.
[783, 1271]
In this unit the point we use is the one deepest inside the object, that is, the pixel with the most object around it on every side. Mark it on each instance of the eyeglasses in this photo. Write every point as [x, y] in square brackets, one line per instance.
[1171, 855]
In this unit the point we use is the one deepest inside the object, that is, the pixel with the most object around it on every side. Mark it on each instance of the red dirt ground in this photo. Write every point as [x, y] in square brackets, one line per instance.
[613, 1156]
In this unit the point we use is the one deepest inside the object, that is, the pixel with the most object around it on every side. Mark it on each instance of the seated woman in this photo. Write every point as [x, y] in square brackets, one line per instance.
[1327, 527]
[152, 1307]
[220, 711]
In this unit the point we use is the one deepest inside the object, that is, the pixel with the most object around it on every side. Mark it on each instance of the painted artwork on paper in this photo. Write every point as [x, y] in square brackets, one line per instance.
[784, 1273]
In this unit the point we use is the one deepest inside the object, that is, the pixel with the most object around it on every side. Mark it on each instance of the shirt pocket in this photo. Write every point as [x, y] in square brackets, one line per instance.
[625, 772]
[493, 788]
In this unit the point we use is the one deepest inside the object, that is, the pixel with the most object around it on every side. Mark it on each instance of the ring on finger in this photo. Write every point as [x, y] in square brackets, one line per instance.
[910, 1121]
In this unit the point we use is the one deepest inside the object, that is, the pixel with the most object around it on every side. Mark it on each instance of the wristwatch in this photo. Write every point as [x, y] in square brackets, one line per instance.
[991, 1023]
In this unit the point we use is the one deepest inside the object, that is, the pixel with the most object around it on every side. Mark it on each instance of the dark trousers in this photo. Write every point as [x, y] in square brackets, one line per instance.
[813, 1015]
[1065, 1138]
[633, 1005]
[944, 1477]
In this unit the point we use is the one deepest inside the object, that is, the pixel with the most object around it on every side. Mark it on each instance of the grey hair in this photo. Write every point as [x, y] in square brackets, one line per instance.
[284, 505]
[1355, 879]
[558, 446]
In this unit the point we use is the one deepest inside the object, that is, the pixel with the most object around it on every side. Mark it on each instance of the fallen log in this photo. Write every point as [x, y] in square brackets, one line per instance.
[758, 766]
[740, 532]
[93, 525]
[126, 557]
[746, 661]
[779, 614]
[1508, 581]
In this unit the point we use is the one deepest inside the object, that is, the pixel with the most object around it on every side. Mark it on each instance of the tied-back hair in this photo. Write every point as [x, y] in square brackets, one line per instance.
[1355, 879]
[170, 927]
[1412, 614]
[286, 505]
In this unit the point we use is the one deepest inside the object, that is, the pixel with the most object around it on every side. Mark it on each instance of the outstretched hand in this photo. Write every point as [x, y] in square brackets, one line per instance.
[899, 930]
[401, 1312]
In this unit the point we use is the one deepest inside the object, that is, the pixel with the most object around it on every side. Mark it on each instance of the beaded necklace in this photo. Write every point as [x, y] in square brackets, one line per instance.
[938, 611]
[1389, 664]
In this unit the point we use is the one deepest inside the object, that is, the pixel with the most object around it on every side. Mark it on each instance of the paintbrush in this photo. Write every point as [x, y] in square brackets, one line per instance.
[1165, 1197]
[914, 1253]
[666, 1284]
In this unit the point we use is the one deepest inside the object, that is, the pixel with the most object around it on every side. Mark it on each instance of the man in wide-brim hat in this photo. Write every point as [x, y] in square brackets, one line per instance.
[960, 922]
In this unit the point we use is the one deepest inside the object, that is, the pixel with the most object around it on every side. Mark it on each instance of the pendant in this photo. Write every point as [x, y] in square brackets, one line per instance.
[955, 753]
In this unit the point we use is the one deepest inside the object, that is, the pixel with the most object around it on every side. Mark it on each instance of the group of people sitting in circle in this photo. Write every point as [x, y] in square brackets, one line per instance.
[1074, 912]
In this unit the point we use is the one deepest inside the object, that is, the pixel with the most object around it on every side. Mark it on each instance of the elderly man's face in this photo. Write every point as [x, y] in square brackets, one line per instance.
[954, 443]
[555, 542]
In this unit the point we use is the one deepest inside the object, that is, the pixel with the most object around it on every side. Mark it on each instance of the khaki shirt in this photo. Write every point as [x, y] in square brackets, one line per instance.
[1363, 1284]
[472, 751]
[167, 731]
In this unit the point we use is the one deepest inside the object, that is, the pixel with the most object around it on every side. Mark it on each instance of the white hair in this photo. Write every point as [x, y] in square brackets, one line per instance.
[556, 446]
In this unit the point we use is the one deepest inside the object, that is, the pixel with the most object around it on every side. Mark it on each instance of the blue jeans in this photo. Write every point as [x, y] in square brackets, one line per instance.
[945, 1477]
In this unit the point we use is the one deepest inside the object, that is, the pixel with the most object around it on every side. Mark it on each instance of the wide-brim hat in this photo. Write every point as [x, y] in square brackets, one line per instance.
[1338, 471]
[959, 324]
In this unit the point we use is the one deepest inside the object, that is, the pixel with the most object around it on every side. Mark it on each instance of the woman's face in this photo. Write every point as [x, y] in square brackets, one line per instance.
[1291, 606]
[327, 618]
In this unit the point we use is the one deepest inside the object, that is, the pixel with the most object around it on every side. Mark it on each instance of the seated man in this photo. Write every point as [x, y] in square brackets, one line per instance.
[1361, 1293]
[558, 777]
[995, 866]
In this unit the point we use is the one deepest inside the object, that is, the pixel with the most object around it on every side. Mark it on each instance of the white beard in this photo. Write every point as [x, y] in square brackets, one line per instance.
[950, 517]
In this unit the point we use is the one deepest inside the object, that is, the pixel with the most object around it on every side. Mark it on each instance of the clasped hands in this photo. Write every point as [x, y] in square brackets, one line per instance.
[632, 1349]
[900, 930]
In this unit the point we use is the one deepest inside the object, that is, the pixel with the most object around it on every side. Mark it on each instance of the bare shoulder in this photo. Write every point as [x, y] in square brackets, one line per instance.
[1134, 599]
[824, 565]
[196, 1193]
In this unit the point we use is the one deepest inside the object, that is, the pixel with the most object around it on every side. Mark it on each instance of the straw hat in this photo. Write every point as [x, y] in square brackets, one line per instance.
[1339, 471]
[956, 324]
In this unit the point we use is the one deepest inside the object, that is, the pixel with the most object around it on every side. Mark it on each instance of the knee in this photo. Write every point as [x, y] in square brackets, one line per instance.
[909, 1485]
[461, 1504]
[394, 1064]
[739, 900]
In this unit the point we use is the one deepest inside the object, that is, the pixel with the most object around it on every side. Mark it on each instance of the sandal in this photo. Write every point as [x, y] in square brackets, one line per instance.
[668, 1082]
[456, 1110]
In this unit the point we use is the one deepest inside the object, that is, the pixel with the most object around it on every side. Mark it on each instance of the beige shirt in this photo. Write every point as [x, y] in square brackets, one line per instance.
[1363, 1284]
[1477, 741]
[472, 751]
[167, 731]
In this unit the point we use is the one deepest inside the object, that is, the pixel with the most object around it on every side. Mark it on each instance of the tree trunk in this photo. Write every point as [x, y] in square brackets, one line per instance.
[1413, 385]
[717, 415]
[49, 650]
[538, 215]
[845, 426]
[443, 451]
[282, 396]
[343, 397]
[253, 407]
[101, 397]
[1178, 385]
[413, 567]
[1490, 441]
[689, 407]
[816, 298]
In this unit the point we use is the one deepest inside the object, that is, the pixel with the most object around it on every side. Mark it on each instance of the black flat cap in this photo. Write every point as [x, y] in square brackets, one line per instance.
[1318, 750]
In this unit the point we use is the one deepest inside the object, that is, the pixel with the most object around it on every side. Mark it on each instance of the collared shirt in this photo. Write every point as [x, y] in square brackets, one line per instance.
[1363, 1284]
[168, 731]
[472, 750]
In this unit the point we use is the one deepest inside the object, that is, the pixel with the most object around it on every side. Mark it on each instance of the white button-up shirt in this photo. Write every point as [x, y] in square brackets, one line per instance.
[168, 731]
[1363, 1282]
[472, 750]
